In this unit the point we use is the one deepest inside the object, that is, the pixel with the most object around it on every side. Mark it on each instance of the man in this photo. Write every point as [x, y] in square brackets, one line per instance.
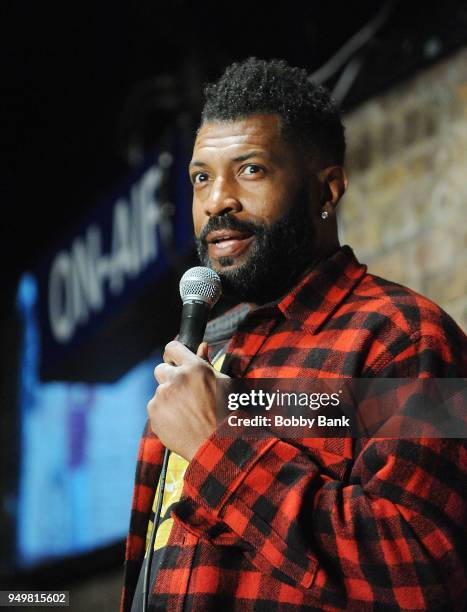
[280, 524]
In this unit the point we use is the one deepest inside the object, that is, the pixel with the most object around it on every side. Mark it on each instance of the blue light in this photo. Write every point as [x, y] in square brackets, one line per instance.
[78, 451]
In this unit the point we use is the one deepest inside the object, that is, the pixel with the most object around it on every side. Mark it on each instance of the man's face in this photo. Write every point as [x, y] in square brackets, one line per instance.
[252, 206]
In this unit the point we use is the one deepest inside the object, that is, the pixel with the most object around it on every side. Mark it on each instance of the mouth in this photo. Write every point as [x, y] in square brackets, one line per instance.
[228, 243]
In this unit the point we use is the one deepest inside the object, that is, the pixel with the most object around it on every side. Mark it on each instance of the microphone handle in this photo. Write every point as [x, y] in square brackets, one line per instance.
[195, 314]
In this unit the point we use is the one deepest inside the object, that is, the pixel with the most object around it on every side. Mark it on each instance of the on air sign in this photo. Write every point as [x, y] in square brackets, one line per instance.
[84, 277]
[115, 252]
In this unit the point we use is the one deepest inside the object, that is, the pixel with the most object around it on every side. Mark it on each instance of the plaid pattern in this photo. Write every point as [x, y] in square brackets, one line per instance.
[319, 524]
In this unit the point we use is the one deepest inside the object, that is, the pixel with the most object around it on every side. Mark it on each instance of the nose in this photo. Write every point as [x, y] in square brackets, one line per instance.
[222, 199]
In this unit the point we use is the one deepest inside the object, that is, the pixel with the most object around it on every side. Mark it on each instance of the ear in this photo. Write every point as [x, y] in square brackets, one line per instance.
[333, 182]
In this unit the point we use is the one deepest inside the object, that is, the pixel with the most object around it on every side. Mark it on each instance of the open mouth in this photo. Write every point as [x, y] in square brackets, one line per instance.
[225, 243]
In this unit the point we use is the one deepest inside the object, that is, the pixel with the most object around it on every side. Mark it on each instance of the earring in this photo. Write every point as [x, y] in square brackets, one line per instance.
[324, 214]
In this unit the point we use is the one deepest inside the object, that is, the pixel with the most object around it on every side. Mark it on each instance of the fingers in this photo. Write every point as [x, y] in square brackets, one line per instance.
[203, 351]
[177, 354]
[164, 373]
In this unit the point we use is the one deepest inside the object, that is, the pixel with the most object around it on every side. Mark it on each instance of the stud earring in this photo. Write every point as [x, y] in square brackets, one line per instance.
[324, 214]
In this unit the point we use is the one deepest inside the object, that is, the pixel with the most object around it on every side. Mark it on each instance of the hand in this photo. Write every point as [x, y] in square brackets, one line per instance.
[182, 412]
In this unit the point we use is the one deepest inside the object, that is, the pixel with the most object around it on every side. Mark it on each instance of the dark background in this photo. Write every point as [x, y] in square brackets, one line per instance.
[72, 96]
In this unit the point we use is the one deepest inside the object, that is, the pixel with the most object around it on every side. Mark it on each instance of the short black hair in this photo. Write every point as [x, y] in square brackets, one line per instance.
[309, 116]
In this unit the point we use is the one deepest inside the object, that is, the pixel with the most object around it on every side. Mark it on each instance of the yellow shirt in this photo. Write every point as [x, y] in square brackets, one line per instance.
[173, 489]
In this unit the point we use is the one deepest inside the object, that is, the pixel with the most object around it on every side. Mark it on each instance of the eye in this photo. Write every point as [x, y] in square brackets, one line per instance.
[199, 177]
[252, 169]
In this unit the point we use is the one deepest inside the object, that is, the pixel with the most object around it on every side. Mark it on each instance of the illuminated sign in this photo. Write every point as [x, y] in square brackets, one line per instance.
[118, 249]
[80, 275]
[78, 447]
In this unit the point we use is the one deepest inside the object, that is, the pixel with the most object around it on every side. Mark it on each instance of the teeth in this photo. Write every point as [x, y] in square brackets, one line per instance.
[225, 238]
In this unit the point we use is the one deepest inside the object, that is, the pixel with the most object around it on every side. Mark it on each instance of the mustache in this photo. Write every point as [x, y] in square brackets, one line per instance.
[227, 222]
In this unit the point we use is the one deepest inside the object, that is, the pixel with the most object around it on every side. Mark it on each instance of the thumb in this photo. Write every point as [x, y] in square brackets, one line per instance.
[203, 351]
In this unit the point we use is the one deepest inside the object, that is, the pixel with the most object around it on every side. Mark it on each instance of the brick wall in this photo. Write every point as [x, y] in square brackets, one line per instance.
[406, 208]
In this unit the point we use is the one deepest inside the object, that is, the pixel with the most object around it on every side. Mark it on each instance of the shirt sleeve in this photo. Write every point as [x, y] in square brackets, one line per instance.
[387, 529]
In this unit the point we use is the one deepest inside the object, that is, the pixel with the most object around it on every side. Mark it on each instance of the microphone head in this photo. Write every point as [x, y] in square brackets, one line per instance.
[200, 283]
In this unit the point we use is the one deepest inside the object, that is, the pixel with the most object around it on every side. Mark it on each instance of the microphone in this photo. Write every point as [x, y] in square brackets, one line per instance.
[200, 288]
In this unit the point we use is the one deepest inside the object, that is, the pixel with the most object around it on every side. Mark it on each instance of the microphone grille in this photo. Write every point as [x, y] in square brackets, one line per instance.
[200, 283]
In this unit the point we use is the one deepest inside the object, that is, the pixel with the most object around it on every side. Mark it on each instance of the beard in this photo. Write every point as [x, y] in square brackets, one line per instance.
[277, 258]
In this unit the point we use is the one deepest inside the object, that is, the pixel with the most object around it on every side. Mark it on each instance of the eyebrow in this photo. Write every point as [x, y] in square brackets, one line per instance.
[239, 158]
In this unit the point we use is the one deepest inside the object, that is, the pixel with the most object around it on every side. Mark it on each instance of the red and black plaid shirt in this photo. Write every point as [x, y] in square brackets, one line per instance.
[319, 524]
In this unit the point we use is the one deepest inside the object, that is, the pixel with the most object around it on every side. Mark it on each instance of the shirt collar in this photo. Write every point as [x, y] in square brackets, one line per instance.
[316, 296]
[310, 302]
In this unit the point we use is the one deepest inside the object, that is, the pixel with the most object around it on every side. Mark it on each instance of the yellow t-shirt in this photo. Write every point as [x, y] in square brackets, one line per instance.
[173, 489]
